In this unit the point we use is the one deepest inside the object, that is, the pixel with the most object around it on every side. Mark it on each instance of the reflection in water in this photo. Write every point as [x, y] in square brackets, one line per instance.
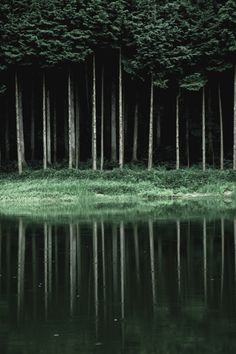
[205, 259]
[21, 268]
[86, 287]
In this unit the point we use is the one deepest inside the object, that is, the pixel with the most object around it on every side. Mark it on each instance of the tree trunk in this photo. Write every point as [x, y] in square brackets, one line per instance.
[77, 128]
[210, 134]
[221, 130]
[71, 122]
[203, 130]
[234, 147]
[121, 122]
[177, 131]
[44, 125]
[22, 140]
[187, 138]
[102, 119]
[32, 132]
[7, 144]
[18, 125]
[94, 118]
[55, 129]
[135, 141]
[150, 140]
[158, 125]
[49, 152]
[113, 123]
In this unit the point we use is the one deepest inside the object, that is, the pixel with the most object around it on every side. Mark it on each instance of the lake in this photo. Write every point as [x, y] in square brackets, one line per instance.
[115, 286]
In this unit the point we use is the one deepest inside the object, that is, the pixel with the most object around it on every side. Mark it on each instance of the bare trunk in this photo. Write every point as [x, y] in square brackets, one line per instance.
[203, 130]
[32, 132]
[234, 147]
[55, 129]
[77, 128]
[71, 122]
[121, 122]
[22, 140]
[177, 132]
[18, 125]
[135, 141]
[94, 118]
[102, 120]
[210, 133]
[49, 152]
[158, 125]
[113, 123]
[44, 125]
[150, 140]
[7, 144]
[221, 130]
[187, 138]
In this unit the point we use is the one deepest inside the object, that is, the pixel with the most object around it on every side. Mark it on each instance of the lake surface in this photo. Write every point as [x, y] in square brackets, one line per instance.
[149, 286]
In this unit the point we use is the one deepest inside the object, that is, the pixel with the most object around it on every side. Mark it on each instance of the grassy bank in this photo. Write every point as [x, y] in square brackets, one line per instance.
[86, 191]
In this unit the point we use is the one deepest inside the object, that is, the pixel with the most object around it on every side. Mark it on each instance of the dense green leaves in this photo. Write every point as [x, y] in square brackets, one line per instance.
[171, 39]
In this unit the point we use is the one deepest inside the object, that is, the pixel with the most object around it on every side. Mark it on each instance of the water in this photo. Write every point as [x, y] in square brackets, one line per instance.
[118, 287]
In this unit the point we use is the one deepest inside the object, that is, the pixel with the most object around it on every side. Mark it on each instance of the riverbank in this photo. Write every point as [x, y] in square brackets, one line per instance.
[85, 191]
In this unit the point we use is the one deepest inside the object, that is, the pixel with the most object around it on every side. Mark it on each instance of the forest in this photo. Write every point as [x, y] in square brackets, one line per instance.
[104, 83]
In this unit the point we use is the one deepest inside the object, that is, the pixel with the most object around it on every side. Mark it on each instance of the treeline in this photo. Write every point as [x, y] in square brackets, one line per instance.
[114, 81]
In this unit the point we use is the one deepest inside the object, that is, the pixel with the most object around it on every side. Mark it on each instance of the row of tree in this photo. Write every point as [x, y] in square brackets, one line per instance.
[166, 46]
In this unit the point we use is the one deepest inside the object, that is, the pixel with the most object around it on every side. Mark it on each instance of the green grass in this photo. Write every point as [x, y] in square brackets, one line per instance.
[85, 191]
[130, 192]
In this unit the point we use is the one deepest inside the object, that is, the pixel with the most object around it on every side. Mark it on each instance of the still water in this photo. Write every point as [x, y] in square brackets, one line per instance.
[151, 286]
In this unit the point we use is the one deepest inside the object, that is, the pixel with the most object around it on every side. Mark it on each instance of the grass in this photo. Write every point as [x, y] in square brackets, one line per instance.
[134, 190]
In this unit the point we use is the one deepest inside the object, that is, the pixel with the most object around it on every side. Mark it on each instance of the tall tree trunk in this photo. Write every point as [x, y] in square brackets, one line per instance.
[18, 125]
[121, 122]
[158, 124]
[210, 133]
[49, 152]
[44, 125]
[177, 131]
[71, 122]
[7, 144]
[203, 130]
[77, 127]
[113, 123]
[22, 140]
[102, 119]
[32, 131]
[234, 147]
[135, 138]
[55, 129]
[150, 140]
[187, 138]
[94, 118]
[221, 130]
